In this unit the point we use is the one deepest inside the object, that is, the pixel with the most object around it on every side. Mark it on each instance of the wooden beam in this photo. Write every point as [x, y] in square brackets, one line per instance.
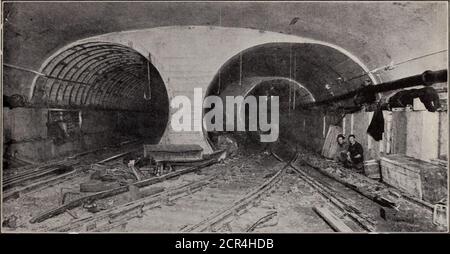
[335, 222]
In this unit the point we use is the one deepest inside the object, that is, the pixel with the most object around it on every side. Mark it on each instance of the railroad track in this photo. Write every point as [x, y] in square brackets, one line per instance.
[231, 197]
[235, 208]
[52, 173]
[235, 199]
[117, 216]
[84, 219]
[342, 204]
[177, 195]
[215, 209]
[257, 208]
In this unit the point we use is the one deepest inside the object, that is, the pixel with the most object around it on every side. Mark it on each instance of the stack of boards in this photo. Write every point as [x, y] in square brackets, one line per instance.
[330, 145]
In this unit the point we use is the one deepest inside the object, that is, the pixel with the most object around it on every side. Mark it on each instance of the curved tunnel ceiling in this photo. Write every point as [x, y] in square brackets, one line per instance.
[275, 68]
[375, 32]
[282, 87]
[33, 31]
[322, 70]
[100, 75]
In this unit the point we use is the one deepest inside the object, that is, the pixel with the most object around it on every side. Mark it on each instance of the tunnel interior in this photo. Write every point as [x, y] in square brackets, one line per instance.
[299, 73]
[101, 75]
[90, 137]
[89, 95]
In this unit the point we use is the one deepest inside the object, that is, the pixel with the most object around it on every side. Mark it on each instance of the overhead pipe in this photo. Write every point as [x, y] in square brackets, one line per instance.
[427, 78]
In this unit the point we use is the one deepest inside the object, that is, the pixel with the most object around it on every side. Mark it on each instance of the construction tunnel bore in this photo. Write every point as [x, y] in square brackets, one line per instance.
[120, 124]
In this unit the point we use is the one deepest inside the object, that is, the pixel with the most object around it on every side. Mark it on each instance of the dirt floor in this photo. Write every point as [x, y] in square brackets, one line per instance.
[288, 204]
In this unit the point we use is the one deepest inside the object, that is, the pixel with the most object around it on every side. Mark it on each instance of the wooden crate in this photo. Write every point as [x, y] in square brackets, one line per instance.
[181, 152]
[372, 169]
[397, 172]
[418, 178]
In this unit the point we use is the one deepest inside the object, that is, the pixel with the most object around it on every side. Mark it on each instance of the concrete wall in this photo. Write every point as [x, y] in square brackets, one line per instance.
[27, 129]
[422, 135]
[419, 134]
[443, 136]
[307, 128]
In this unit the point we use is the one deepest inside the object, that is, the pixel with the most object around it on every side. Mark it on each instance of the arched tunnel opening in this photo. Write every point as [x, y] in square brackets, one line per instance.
[298, 73]
[92, 95]
[107, 76]
[101, 75]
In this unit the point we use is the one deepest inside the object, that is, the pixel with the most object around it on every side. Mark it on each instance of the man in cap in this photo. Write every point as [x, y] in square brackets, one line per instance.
[355, 154]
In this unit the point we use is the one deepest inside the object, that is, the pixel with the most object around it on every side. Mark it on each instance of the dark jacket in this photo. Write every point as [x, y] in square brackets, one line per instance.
[354, 150]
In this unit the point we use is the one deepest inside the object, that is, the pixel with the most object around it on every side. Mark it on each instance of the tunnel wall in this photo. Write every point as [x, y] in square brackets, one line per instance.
[28, 130]
[425, 135]
[419, 134]
[306, 128]
[190, 56]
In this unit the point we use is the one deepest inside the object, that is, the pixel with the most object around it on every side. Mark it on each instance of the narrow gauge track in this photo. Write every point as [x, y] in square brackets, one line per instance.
[236, 207]
[239, 199]
[250, 212]
[225, 198]
[49, 174]
[327, 188]
[213, 181]
[152, 198]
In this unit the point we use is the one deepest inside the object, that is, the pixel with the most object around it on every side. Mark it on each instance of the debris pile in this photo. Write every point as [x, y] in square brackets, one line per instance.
[227, 143]
[107, 177]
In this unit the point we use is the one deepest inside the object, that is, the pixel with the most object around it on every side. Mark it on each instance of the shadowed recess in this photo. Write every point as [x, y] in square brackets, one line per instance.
[100, 75]
[322, 70]
[298, 73]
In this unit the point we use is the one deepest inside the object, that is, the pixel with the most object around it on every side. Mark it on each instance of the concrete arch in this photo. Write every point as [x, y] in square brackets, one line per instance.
[246, 85]
[249, 85]
[217, 78]
[189, 57]
[256, 81]
[102, 59]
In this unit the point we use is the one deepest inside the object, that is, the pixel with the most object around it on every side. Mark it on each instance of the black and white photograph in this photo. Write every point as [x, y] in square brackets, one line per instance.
[324, 117]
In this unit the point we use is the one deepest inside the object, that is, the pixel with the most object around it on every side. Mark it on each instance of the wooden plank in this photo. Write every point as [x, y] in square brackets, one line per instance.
[330, 145]
[97, 186]
[115, 156]
[335, 222]
[399, 132]
[339, 202]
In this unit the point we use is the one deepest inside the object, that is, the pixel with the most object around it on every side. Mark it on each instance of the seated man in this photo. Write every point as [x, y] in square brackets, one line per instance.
[355, 155]
[341, 151]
